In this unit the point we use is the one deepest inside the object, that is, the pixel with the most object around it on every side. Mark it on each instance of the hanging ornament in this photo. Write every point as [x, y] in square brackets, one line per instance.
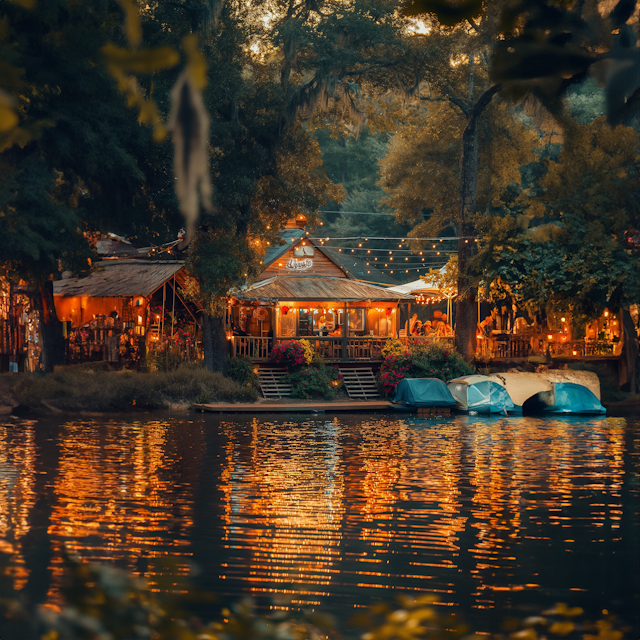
[284, 310]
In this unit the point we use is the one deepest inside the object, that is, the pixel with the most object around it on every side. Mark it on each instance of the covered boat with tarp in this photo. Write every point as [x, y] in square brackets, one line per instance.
[566, 398]
[421, 393]
[481, 395]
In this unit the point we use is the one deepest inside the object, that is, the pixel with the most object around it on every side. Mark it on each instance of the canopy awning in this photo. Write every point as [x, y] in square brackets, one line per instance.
[320, 289]
[113, 278]
[418, 286]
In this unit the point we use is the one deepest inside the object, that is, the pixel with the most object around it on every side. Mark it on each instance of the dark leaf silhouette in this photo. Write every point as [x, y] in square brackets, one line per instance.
[448, 14]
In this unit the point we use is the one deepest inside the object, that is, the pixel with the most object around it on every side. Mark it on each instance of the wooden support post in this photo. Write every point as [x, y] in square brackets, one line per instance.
[164, 297]
[173, 306]
[345, 320]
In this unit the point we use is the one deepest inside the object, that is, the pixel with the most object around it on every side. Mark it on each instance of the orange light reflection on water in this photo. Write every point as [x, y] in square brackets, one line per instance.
[321, 508]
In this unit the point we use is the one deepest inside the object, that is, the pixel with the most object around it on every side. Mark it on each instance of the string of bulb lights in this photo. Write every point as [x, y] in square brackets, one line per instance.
[402, 239]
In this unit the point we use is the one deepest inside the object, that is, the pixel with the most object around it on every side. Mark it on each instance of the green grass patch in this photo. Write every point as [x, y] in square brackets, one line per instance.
[92, 388]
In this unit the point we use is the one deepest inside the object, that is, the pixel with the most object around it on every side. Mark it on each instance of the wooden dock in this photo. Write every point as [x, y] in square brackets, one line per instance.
[304, 407]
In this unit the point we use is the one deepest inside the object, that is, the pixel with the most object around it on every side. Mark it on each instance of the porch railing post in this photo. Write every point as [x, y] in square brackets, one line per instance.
[344, 333]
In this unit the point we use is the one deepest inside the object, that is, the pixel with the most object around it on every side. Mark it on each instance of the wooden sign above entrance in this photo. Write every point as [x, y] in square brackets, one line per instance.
[299, 265]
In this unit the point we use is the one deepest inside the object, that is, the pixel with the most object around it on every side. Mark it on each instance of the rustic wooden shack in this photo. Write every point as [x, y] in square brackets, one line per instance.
[123, 309]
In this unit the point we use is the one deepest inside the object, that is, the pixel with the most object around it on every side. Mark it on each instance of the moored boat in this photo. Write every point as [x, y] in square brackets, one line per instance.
[414, 394]
[480, 394]
[567, 398]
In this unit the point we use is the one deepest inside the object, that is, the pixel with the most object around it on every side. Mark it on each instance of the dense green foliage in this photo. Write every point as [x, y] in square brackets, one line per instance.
[421, 359]
[243, 371]
[561, 242]
[82, 163]
[314, 381]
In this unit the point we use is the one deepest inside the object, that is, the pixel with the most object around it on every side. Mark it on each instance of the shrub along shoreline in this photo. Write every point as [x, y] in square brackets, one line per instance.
[95, 387]
[92, 387]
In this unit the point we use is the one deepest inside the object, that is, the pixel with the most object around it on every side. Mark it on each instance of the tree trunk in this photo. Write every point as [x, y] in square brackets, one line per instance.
[37, 545]
[51, 328]
[627, 364]
[216, 345]
[466, 312]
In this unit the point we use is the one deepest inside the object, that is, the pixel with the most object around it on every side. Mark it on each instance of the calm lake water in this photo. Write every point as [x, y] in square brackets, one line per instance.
[496, 516]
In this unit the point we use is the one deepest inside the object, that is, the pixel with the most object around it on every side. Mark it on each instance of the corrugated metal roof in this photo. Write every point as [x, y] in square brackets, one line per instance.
[120, 278]
[358, 269]
[289, 237]
[305, 288]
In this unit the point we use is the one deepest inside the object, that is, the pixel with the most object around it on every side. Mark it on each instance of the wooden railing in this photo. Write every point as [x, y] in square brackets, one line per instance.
[328, 348]
[583, 348]
[255, 348]
[449, 340]
[503, 346]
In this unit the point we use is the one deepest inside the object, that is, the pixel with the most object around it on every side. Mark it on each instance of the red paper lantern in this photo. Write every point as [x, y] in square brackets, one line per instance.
[284, 310]
[388, 312]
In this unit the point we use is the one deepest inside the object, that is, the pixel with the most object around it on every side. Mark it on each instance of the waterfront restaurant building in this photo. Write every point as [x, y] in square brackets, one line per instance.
[306, 291]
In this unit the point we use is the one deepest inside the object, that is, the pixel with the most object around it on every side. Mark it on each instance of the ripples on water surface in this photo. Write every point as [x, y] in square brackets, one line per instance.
[488, 514]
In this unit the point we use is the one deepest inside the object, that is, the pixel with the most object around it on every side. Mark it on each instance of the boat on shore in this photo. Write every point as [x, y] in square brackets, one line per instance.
[566, 398]
[416, 394]
[553, 392]
[480, 394]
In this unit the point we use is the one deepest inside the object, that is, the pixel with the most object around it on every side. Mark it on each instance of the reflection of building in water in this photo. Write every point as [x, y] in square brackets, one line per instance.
[318, 507]
[472, 510]
[283, 507]
[409, 507]
[117, 497]
[530, 480]
[17, 496]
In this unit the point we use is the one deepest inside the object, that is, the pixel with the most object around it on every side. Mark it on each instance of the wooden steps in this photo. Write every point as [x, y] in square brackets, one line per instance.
[271, 383]
[359, 383]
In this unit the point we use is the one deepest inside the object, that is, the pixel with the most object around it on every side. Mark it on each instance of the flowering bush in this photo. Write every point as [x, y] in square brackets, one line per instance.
[290, 353]
[309, 351]
[422, 359]
[393, 369]
[314, 382]
[393, 346]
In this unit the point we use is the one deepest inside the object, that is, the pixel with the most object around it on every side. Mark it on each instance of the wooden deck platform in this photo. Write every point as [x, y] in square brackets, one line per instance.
[305, 407]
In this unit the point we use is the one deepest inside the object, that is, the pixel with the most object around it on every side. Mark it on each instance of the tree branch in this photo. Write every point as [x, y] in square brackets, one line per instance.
[482, 102]
[459, 102]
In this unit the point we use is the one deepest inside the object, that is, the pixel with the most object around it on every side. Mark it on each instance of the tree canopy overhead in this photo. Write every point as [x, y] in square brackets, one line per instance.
[79, 161]
[563, 242]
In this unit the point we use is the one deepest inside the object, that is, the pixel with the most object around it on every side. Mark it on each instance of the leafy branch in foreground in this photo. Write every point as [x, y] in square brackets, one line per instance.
[107, 603]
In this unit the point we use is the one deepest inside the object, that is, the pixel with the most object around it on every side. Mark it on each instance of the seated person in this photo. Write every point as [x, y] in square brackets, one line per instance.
[520, 325]
[427, 329]
[417, 328]
[484, 327]
[337, 331]
[444, 329]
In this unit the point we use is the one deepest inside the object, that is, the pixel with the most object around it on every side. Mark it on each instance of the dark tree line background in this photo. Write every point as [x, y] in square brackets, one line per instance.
[471, 120]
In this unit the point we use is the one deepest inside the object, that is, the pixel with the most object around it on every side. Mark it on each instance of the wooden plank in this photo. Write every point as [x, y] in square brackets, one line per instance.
[322, 265]
[306, 407]
[271, 383]
[359, 382]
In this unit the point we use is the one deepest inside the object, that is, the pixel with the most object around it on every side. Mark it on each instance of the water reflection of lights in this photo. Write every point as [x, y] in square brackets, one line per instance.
[318, 510]
[17, 496]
